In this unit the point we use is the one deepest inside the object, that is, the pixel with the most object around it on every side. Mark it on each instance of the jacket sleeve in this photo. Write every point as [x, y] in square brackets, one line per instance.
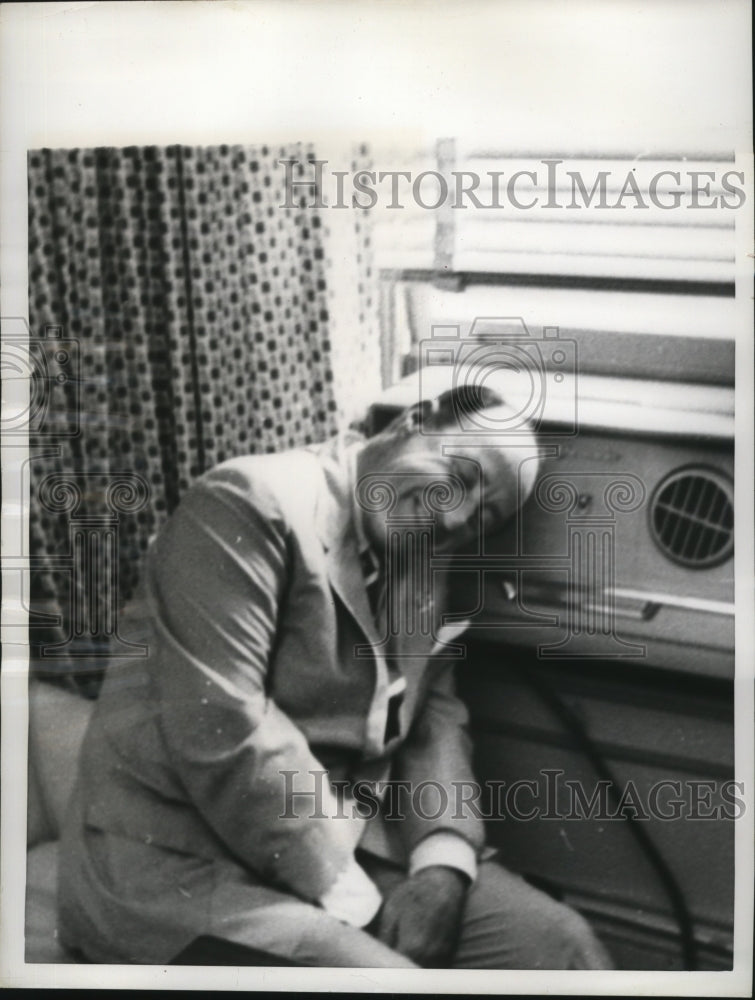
[436, 760]
[217, 578]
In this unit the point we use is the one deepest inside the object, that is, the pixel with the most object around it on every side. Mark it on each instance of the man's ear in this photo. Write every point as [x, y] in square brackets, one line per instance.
[412, 418]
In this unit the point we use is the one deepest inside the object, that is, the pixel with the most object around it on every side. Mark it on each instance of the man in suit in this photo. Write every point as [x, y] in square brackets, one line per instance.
[291, 621]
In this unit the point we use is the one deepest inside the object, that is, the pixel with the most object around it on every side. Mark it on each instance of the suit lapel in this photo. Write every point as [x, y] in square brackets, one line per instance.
[335, 528]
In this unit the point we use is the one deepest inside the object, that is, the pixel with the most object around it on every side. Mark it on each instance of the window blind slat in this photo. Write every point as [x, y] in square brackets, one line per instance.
[683, 217]
[575, 264]
[612, 239]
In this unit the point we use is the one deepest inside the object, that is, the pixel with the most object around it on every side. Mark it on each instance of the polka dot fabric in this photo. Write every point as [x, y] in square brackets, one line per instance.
[200, 308]
[352, 298]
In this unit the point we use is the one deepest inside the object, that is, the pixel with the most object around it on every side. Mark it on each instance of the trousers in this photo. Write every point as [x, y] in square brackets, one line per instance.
[507, 924]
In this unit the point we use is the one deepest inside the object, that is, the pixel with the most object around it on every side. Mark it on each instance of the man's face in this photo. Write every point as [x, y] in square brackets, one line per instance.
[465, 486]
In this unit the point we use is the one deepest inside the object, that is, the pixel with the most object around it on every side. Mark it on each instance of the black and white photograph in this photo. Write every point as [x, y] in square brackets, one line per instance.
[377, 444]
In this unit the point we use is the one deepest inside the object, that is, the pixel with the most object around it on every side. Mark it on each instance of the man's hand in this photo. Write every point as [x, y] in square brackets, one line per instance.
[421, 918]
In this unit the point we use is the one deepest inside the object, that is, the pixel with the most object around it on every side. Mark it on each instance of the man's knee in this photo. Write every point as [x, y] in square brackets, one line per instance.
[577, 941]
[510, 924]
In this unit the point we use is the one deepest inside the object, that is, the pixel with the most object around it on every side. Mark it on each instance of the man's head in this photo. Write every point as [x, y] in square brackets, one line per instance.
[436, 465]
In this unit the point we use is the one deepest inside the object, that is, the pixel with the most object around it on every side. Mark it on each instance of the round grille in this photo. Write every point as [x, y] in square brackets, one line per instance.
[692, 517]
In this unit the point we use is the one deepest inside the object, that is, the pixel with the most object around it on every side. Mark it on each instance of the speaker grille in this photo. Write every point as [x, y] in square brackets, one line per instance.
[692, 517]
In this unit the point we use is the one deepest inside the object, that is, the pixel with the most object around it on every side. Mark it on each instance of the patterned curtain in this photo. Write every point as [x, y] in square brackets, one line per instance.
[183, 317]
[353, 293]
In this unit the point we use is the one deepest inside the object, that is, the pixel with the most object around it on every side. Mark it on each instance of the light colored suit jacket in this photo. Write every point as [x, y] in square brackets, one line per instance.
[256, 604]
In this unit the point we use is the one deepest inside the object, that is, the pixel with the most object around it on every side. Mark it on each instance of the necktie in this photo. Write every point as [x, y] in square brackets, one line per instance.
[397, 682]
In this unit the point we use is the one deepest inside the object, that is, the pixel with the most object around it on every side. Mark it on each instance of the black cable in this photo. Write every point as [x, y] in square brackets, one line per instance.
[673, 890]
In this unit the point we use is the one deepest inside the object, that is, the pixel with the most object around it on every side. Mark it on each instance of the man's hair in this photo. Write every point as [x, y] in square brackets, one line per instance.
[444, 412]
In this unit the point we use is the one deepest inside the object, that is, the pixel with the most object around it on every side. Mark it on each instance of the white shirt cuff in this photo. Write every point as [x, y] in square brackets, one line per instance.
[353, 897]
[444, 848]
